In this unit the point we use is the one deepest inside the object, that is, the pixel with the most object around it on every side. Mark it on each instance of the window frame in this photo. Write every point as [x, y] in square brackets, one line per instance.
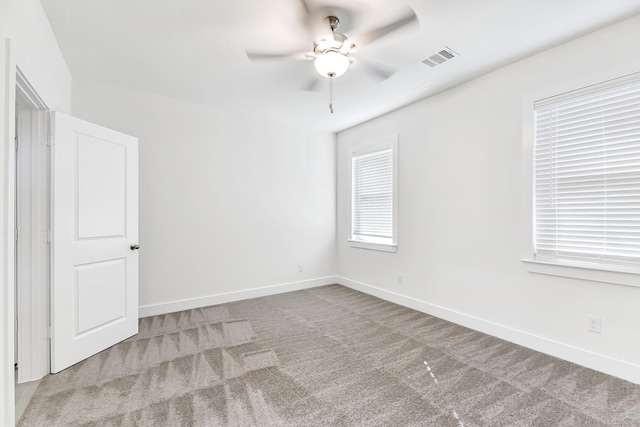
[385, 143]
[603, 271]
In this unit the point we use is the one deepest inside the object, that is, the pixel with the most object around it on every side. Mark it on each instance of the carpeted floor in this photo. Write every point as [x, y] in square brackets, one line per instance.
[328, 356]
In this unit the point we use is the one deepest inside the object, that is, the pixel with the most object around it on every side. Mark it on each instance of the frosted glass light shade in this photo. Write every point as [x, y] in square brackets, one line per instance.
[331, 64]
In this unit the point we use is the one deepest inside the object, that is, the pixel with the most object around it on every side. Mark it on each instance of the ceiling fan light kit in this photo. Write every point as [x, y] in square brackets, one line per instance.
[331, 53]
[331, 64]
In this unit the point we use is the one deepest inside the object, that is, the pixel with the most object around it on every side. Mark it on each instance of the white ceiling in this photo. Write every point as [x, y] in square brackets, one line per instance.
[195, 49]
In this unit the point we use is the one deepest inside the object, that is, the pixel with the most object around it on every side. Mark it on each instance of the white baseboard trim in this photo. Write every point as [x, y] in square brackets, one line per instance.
[191, 303]
[586, 358]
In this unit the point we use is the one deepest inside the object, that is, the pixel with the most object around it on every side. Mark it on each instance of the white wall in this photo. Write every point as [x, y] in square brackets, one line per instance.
[26, 40]
[228, 202]
[464, 224]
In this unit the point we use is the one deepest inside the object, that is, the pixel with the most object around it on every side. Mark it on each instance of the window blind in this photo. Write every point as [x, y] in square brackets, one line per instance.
[587, 173]
[372, 192]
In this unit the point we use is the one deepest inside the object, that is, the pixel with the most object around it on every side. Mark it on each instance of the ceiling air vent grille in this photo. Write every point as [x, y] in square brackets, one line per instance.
[441, 57]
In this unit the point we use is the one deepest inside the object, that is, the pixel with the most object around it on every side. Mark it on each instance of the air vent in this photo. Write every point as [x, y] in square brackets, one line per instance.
[441, 57]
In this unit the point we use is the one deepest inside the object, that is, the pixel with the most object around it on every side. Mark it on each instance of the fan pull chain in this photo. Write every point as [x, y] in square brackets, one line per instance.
[331, 95]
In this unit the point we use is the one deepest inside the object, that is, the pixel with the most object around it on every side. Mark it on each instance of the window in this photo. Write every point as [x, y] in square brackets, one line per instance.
[374, 196]
[587, 174]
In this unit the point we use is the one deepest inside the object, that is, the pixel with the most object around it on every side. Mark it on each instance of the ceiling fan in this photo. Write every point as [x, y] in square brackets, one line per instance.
[332, 52]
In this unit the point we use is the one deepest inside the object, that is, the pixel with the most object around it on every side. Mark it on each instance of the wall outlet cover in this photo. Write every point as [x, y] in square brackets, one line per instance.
[594, 324]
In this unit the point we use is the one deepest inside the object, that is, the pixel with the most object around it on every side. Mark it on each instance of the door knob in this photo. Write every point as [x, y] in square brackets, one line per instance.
[135, 247]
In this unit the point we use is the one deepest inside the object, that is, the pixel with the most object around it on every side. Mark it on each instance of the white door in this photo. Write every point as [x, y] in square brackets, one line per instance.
[95, 235]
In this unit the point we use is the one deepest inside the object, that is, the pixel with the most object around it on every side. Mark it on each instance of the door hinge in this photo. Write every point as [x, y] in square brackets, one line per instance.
[48, 236]
[49, 333]
[49, 139]
[16, 234]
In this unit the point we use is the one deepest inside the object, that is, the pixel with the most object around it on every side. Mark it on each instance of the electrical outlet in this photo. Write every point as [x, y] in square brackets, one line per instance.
[594, 324]
[400, 279]
[300, 268]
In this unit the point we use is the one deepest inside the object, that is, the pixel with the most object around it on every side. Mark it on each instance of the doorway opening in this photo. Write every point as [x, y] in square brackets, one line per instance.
[32, 248]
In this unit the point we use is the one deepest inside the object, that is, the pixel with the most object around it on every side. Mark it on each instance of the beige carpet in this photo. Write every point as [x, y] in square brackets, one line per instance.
[326, 356]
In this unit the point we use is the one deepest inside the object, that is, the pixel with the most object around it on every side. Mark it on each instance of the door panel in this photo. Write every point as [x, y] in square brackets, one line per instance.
[101, 290]
[101, 188]
[95, 222]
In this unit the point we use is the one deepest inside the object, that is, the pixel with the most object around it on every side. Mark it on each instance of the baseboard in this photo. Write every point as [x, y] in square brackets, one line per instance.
[598, 362]
[191, 303]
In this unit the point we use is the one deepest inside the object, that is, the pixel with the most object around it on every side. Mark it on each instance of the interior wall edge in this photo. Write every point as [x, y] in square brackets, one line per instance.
[225, 297]
[608, 365]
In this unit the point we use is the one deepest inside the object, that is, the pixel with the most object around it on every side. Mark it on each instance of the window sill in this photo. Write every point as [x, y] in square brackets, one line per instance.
[604, 273]
[373, 246]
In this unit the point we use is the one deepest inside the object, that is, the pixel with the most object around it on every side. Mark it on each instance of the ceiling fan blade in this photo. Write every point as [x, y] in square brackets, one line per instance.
[376, 70]
[312, 85]
[386, 29]
[258, 56]
[305, 7]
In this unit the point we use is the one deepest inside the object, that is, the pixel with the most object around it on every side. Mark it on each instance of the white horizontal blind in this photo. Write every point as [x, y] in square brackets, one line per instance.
[372, 190]
[587, 173]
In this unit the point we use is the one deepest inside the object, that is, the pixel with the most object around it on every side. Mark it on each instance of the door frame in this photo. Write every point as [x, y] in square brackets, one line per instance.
[8, 78]
[7, 154]
[33, 225]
